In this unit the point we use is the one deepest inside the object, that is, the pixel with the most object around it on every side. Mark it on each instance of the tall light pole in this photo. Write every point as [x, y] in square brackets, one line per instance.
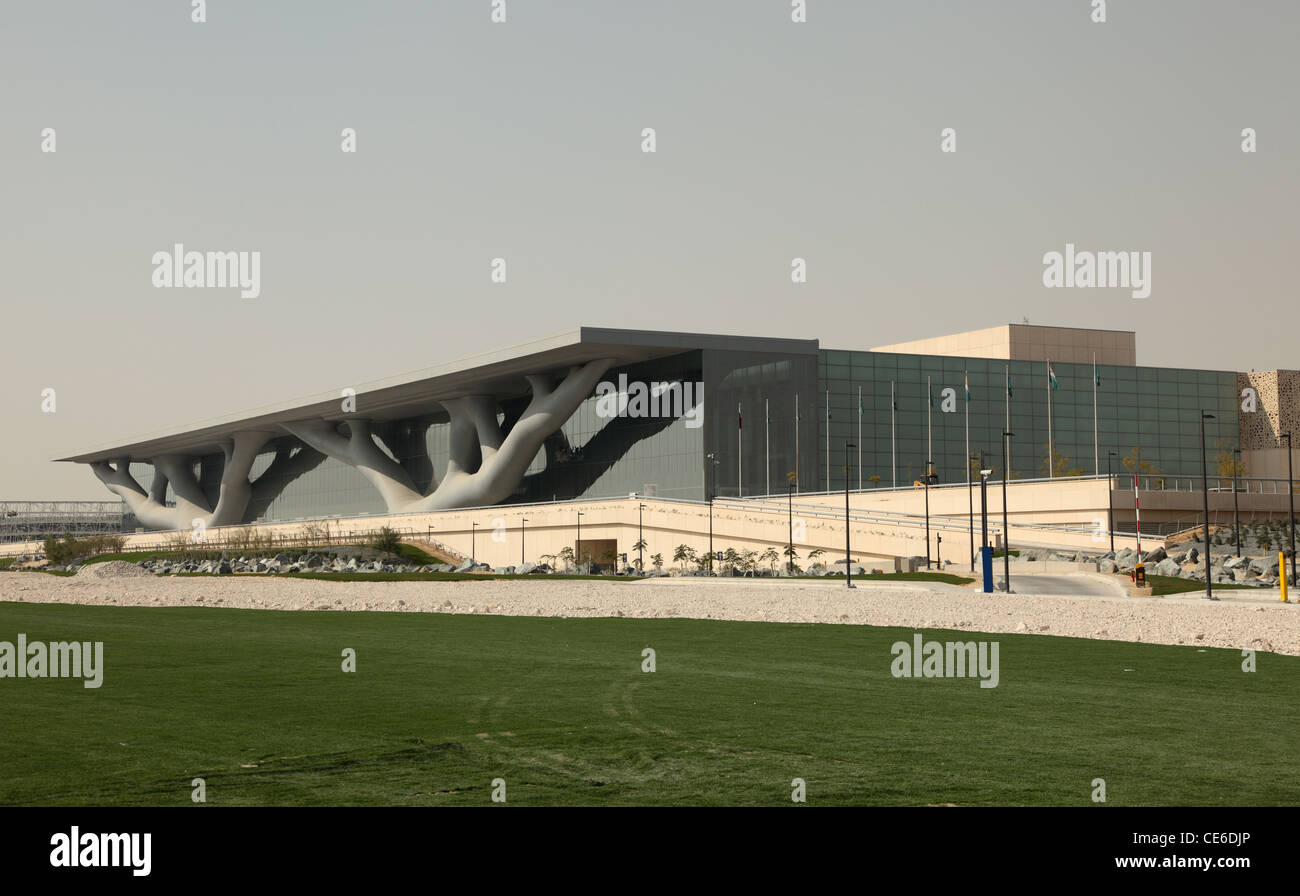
[640, 540]
[926, 480]
[523, 527]
[578, 558]
[790, 554]
[1290, 490]
[970, 503]
[473, 532]
[1236, 517]
[1006, 528]
[848, 569]
[708, 493]
[1110, 510]
[1205, 493]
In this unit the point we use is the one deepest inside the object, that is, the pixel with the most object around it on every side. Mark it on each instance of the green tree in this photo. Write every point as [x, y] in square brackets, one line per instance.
[387, 540]
[658, 561]
[566, 554]
[681, 554]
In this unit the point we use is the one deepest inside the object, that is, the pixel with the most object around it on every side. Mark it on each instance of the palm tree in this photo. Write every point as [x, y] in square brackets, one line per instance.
[682, 554]
[658, 561]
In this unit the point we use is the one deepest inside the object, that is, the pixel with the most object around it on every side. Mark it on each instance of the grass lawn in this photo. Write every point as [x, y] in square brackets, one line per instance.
[255, 703]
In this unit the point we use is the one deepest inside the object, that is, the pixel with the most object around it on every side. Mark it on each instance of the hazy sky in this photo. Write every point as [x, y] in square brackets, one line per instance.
[523, 140]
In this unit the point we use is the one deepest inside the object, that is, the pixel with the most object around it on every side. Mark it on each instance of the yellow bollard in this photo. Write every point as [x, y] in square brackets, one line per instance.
[1281, 568]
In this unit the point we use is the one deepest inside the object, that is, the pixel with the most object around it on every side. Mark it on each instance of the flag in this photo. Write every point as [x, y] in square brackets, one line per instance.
[893, 401]
[860, 408]
[1051, 377]
[1010, 394]
[930, 389]
[1097, 374]
[738, 417]
[967, 385]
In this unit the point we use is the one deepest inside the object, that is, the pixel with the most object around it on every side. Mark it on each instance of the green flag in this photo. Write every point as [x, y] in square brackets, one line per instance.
[1051, 377]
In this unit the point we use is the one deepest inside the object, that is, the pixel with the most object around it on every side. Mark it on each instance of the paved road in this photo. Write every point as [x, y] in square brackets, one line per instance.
[1065, 584]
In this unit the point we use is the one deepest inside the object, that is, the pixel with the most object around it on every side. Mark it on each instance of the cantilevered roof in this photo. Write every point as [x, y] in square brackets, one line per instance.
[420, 393]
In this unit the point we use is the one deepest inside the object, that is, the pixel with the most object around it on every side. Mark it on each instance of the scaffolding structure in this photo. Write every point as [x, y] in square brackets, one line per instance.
[33, 520]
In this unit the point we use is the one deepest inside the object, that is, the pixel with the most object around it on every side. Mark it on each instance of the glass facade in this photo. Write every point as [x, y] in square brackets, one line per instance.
[1156, 410]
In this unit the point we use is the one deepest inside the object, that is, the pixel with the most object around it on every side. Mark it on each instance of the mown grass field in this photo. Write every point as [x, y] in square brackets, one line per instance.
[255, 703]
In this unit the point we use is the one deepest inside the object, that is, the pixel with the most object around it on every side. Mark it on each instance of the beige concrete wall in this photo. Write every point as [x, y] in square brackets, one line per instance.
[994, 342]
[496, 535]
[1028, 342]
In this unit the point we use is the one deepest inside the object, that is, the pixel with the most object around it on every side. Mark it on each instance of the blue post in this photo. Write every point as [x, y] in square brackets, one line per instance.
[986, 561]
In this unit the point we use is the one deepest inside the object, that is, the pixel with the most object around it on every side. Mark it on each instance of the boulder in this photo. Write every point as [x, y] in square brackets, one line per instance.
[1167, 567]
[1107, 566]
[1235, 562]
[1155, 556]
[1193, 555]
[223, 568]
[465, 566]
[1264, 565]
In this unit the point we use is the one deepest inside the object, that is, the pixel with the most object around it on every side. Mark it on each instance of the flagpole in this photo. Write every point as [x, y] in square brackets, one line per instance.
[893, 438]
[1051, 452]
[1096, 450]
[859, 438]
[740, 455]
[767, 443]
[796, 442]
[828, 440]
[970, 492]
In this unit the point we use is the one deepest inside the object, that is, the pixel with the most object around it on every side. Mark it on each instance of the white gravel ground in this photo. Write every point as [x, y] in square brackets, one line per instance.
[1241, 619]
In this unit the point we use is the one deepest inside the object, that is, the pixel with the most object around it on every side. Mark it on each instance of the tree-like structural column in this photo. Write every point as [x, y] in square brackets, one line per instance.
[177, 470]
[485, 463]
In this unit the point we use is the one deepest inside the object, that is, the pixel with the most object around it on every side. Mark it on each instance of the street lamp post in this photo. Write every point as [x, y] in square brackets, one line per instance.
[970, 506]
[523, 528]
[1290, 490]
[578, 556]
[1236, 514]
[708, 493]
[789, 557]
[1110, 510]
[473, 554]
[1205, 494]
[984, 505]
[1006, 529]
[848, 569]
[640, 540]
[1291, 493]
[926, 480]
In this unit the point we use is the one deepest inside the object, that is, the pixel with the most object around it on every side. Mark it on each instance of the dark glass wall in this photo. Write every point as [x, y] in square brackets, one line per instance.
[752, 421]
[1156, 410]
